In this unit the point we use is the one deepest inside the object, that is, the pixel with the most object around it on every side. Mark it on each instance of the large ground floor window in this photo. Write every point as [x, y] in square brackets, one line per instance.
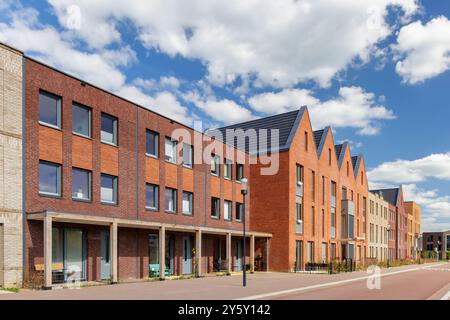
[153, 255]
[69, 253]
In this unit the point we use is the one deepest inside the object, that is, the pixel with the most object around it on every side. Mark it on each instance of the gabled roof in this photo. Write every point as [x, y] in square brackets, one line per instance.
[320, 136]
[287, 124]
[391, 195]
[356, 162]
[340, 152]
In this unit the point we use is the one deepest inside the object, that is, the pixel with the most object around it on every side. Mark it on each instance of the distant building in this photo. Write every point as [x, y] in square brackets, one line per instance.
[398, 222]
[378, 227]
[439, 241]
[413, 211]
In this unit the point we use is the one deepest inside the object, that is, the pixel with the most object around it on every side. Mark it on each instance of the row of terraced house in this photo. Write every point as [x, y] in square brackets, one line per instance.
[95, 185]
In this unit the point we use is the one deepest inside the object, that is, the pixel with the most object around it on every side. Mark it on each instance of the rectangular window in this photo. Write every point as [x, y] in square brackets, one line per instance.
[333, 223]
[239, 171]
[313, 185]
[323, 223]
[351, 226]
[239, 211]
[299, 216]
[313, 222]
[310, 251]
[109, 129]
[227, 169]
[171, 200]
[108, 189]
[81, 184]
[152, 197]
[188, 155]
[49, 110]
[306, 141]
[152, 143]
[324, 252]
[171, 150]
[215, 208]
[215, 162]
[298, 254]
[333, 194]
[49, 178]
[333, 251]
[81, 120]
[188, 202]
[299, 174]
[227, 206]
[323, 190]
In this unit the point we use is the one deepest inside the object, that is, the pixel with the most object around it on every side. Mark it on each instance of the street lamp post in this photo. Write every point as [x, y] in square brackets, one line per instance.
[244, 191]
[389, 239]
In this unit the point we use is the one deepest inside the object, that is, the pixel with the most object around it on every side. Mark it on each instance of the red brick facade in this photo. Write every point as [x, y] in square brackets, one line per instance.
[131, 165]
[273, 199]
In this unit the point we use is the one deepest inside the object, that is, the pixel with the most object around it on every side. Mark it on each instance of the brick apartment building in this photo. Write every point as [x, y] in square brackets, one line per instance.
[398, 222]
[109, 192]
[378, 227]
[413, 211]
[96, 186]
[438, 242]
[316, 204]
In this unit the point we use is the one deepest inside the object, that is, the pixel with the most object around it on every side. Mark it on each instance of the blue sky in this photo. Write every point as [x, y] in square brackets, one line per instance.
[377, 71]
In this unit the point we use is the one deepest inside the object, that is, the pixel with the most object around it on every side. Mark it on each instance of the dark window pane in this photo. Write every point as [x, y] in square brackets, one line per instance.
[152, 143]
[109, 129]
[108, 189]
[151, 197]
[49, 109]
[49, 176]
[171, 200]
[81, 184]
[81, 120]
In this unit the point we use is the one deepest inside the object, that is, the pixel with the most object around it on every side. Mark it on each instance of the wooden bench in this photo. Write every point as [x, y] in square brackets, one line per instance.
[57, 271]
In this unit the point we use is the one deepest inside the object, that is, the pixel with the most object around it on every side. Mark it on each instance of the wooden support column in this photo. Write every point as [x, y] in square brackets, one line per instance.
[252, 254]
[162, 252]
[48, 260]
[228, 253]
[113, 251]
[198, 252]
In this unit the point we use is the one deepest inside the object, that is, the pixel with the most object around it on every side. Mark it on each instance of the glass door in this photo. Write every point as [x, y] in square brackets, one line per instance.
[74, 254]
[105, 256]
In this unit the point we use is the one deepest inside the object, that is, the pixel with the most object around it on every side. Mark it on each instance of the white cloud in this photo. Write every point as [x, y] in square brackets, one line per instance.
[224, 111]
[165, 103]
[435, 207]
[276, 43]
[101, 68]
[423, 50]
[352, 108]
[26, 33]
[409, 171]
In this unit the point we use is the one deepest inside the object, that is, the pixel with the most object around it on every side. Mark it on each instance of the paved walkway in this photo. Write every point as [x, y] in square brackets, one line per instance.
[431, 282]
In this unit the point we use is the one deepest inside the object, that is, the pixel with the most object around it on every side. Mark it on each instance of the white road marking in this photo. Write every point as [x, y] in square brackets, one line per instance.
[328, 284]
[446, 296]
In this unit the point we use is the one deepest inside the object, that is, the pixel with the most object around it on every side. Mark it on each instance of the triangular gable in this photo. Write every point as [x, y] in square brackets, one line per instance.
[323, 137]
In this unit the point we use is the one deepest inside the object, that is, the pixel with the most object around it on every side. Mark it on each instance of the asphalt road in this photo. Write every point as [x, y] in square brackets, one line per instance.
[430, 281]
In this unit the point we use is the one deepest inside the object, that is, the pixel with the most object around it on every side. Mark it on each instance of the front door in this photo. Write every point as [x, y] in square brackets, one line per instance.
[238, 266]
[187, 255]
[74, 254]
[105, 257]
